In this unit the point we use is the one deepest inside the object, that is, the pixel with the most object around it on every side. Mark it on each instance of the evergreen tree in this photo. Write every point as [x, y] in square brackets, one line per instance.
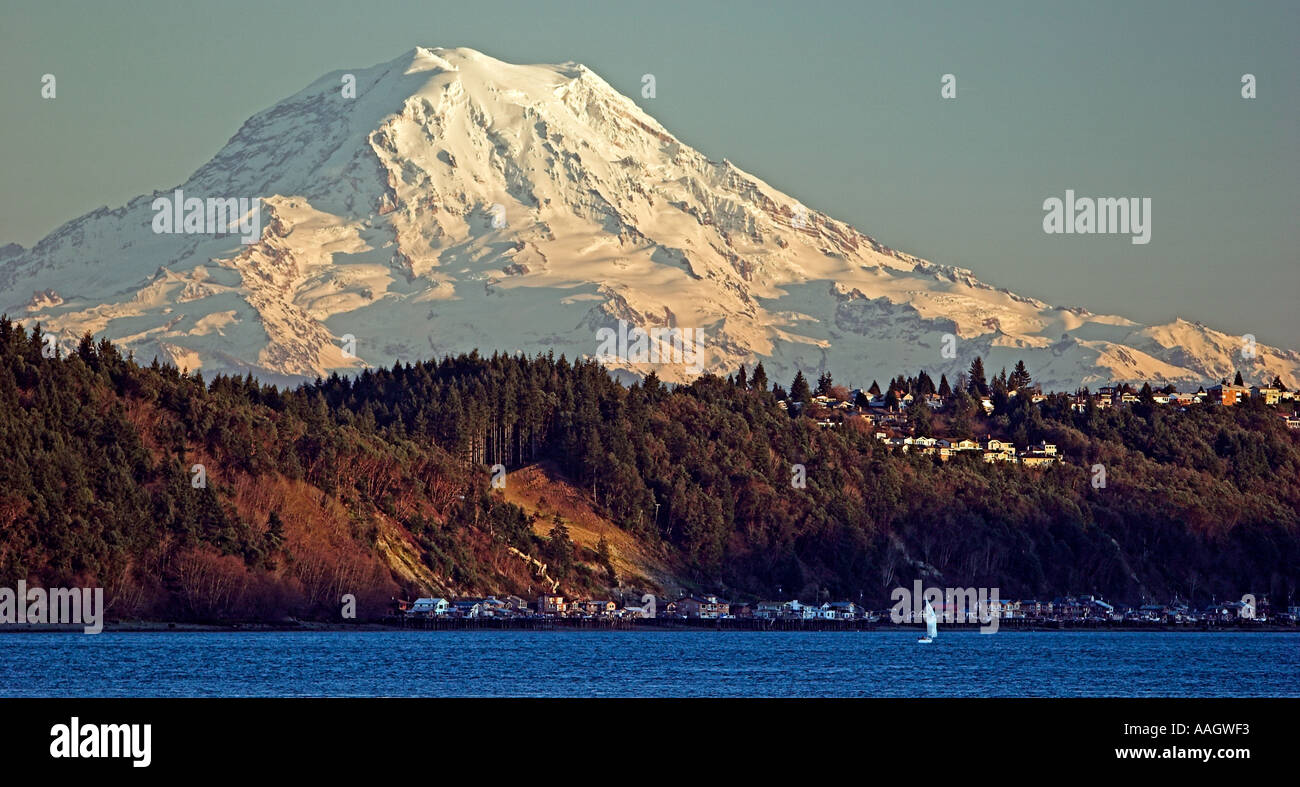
[999, 395]
[919, 417]
[924, 385]
[977, 386]
[1019, 377]
[799, 390]
[963, 407]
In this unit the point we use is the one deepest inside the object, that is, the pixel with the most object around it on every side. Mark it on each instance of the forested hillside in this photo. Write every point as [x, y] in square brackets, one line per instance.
[379, 485]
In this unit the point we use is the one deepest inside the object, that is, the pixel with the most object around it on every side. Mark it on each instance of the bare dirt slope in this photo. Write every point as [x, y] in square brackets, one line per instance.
[542, 489]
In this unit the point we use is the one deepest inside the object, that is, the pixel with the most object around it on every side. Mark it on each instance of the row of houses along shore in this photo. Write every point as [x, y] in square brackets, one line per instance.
[1075, 609]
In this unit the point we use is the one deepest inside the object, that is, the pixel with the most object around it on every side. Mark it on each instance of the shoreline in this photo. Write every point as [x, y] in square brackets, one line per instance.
[528, 624]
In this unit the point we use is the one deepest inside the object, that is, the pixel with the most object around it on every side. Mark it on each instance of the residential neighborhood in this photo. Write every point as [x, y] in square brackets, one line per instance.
[892, 421]
[1037, 455]
[1058, 610]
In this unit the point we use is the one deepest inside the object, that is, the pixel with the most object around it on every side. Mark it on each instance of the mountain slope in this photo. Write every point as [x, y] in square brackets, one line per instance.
[461, 202]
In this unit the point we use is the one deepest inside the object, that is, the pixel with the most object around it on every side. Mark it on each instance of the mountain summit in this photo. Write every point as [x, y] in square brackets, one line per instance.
[456, 201]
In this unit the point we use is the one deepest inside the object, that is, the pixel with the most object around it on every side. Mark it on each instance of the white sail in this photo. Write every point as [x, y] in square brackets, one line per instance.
[931, 622]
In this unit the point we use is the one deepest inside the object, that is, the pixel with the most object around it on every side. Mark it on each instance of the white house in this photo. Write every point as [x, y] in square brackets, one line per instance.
[843, 610]
[468, 608]
[429, 606]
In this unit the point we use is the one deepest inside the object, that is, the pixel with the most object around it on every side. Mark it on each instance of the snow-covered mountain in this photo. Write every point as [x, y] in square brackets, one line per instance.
[460, 202]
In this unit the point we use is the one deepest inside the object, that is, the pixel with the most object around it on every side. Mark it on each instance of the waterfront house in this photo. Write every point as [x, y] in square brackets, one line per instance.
[1152, 612]
[1095, 607]
[804, 611]
[771, 610]
[705, 607]
[1030, 608]
[467, 608]
[429, 607]
[492, 607]
[599, 608]
[1005, 610]
[550, 604]
[639, 612]
[1066, 607]
[844, 610]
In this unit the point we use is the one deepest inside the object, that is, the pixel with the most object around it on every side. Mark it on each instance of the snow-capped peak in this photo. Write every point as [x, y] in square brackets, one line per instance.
[447, 200]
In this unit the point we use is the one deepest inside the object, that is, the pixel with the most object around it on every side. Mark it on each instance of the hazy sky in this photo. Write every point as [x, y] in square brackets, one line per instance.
[836, 103]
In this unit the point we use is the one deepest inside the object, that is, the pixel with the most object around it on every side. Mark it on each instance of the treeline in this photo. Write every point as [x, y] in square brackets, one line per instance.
[746, 499]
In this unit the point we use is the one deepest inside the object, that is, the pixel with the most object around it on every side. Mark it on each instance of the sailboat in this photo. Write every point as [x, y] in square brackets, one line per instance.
[931, 624]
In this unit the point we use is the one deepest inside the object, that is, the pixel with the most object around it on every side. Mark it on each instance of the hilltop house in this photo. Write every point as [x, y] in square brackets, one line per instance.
[1270, 395]
[1228, 395]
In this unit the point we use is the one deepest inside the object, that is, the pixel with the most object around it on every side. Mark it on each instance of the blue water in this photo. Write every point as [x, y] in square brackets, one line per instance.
[650, 664]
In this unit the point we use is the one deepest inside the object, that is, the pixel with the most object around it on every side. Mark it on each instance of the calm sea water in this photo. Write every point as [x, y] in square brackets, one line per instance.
[650, 664]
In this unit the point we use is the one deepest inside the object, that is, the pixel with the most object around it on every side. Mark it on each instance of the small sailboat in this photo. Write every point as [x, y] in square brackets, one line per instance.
[931, 624]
